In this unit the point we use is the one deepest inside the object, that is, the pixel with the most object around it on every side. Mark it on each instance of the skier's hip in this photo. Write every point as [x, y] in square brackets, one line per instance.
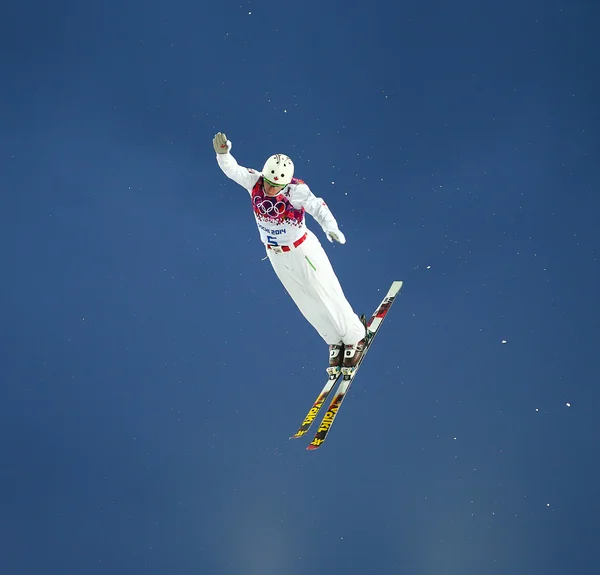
[287, 248]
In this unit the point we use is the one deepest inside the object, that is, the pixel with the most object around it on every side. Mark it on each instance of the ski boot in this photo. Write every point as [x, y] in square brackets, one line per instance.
[353, 353]
[336, 356]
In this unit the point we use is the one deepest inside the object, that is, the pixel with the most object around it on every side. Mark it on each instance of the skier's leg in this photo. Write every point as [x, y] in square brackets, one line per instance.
[294, 271]
[327, 294]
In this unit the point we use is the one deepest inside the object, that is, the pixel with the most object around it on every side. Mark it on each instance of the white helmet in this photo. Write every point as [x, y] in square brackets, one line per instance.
[278, 170]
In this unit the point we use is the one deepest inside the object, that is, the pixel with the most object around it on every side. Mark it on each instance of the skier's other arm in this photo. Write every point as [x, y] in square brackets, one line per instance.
[240, 175]
[318, 209]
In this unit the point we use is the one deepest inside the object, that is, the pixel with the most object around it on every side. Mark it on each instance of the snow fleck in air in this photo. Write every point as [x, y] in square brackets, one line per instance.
[285, 111]
[536, 409]
[503, 341]
[332, 183]
[568, 404]
[428, 267]
[249, 13]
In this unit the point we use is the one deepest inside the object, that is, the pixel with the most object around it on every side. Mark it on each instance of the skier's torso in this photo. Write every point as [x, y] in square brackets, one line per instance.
[279, 223]
[280, 219]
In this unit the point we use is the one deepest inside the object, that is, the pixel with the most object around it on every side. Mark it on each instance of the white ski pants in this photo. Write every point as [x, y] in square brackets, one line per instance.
[309, 279]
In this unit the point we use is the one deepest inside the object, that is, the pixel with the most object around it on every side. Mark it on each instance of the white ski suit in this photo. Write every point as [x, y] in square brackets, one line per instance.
[296, 254]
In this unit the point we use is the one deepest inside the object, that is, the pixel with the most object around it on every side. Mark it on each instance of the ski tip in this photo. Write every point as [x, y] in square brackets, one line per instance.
[311, 447]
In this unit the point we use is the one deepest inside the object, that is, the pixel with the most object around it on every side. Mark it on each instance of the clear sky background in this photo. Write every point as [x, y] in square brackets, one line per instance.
[153, 367]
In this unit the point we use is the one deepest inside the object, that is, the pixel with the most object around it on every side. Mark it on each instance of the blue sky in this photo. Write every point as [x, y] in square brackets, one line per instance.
[153, 367]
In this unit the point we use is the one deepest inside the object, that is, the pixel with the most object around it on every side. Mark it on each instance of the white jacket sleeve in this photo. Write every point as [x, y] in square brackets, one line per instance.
[316, 207]
[245, 177]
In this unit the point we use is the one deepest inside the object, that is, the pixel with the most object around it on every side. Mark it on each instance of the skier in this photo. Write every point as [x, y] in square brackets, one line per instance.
[279, 201]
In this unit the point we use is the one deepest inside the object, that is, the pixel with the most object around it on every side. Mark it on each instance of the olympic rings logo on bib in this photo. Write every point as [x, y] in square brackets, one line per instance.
[275, 210]
[268, 208]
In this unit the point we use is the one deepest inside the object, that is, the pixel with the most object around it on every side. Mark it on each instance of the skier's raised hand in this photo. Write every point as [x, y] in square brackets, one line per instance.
[220, 143]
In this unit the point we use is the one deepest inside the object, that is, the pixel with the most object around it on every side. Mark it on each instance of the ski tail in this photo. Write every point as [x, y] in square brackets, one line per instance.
[314, 410]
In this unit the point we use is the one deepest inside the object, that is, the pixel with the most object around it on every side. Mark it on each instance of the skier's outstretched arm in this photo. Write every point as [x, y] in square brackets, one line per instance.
[318, 209]
[240, 175]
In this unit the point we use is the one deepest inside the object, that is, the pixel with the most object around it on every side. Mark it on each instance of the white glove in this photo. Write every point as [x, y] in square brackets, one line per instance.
[336, 236]
[220, 143]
